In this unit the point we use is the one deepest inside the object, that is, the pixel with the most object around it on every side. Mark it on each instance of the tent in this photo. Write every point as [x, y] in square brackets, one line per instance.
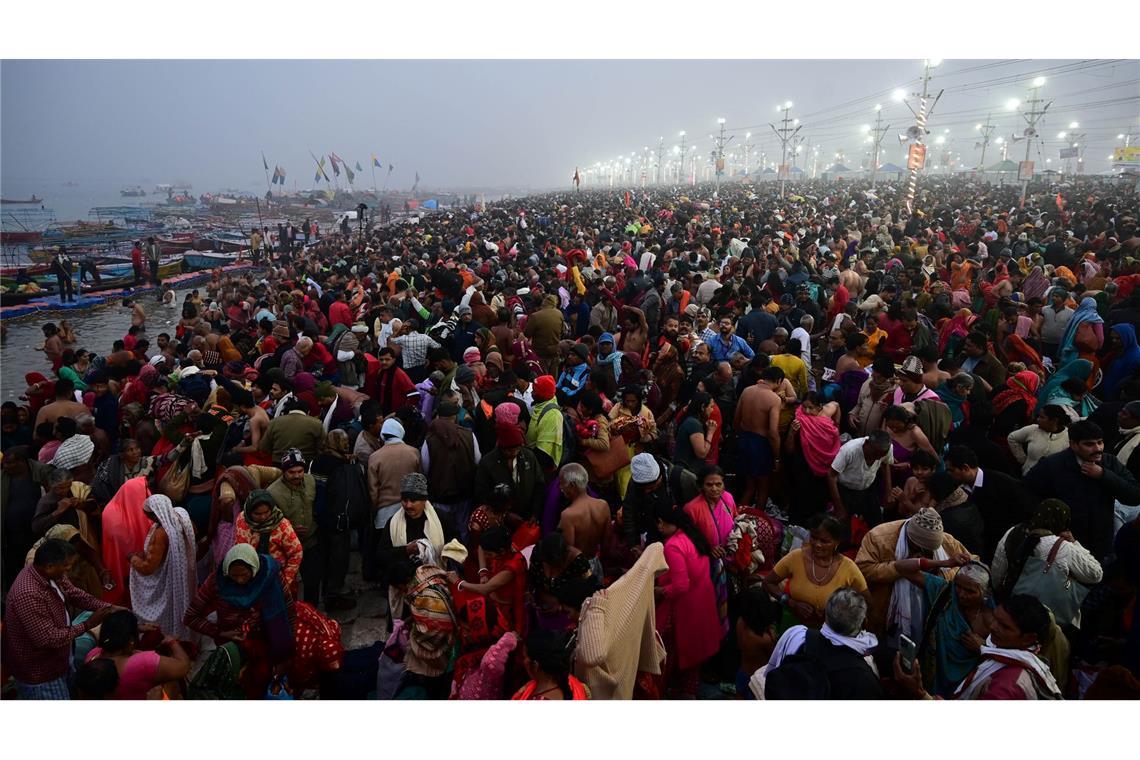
[836, 171]
[891, 169]
[1003, 167]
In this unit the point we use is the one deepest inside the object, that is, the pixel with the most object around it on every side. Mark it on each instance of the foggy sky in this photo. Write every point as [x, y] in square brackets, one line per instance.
[514, 124]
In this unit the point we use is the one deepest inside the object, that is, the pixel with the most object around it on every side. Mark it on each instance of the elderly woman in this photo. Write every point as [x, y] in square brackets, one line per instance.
[959, 617]
[163, 578]
[633, 421]
[253, 610]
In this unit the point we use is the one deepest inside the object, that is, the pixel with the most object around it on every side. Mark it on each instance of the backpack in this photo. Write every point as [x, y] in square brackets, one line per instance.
[807, 673]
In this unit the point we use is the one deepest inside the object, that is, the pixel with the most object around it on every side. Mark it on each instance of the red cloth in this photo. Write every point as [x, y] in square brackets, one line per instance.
[340, 314]
[124, 531]
[819, 440]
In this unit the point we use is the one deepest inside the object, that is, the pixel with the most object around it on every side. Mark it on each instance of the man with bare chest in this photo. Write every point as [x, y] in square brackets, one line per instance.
[758, 420]
[586, 522]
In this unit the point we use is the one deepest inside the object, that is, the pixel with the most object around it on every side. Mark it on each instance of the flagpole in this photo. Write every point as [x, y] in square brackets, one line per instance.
[374, 174]
[265, 166]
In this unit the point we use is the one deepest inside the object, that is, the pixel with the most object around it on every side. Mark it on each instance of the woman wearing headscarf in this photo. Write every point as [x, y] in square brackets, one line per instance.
[231, 490]
[263, 525]
[1083, 336]
[812, 442]
[341, 505]
[1014, 407]
[1035, 283]
[1054, 392]
[118, 469]
[1017, 350]
[125, 530]
[163, 579]
[959, 616]
[1036, 537]
[252, 610]
[140, 388]
[1126, 363]
[669, 376]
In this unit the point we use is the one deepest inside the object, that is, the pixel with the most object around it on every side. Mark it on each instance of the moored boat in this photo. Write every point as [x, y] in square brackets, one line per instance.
[11, 201]
[196, 260]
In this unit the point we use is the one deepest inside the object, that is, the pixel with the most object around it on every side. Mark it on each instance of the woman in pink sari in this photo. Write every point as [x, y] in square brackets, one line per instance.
[125, 527]
[713, 511]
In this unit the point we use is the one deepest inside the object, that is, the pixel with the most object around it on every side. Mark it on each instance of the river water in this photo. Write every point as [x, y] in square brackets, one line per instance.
[98, 328]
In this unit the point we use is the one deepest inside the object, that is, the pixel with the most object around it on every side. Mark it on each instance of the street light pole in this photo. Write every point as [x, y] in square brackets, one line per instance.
[986, 129]
[879, 131]
[720, 143]
[784, 134]
[1031, 118]
[682, 169]
[920, 119]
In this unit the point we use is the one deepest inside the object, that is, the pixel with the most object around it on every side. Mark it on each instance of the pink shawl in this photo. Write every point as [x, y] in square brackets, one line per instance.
[819, 440]
[125, 528]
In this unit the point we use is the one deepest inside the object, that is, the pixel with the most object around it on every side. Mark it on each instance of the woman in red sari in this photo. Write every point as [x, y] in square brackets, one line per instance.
[506, 586]
[125, 528]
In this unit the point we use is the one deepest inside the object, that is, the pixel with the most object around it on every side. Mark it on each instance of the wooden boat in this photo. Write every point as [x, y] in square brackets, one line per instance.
[132, 192]
[197, 260]
[175, 242]
[8, 201]
[20, 237]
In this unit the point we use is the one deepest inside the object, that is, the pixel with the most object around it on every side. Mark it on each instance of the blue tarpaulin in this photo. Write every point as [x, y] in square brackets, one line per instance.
[433, 203]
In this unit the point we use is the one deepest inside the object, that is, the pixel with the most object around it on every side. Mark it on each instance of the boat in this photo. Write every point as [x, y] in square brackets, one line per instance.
[20, 237]
[196, 260]
[227, 242]
[132, 192]
[175, 242]
[8, 201]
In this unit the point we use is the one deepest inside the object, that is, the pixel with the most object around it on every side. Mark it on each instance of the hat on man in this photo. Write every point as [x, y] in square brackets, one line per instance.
[392, 430]
[292, 458]
[414, 486]
[911, 366]
[924, 530]
[543, 388]
[508, 436]
[644, 469]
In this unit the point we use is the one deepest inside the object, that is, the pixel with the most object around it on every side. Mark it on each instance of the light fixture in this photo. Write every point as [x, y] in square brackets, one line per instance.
[865, 128]
[788, 105]
[1061, 135]
[1074, 125]
[1012, 104]
[977, 126]
[1120, 136]
[899, 95]
[940, 139]
[747, 135]
[720, 121]
[933, 62]
[999, 140]
[682, 133]
[1039, 81]
[878, 107]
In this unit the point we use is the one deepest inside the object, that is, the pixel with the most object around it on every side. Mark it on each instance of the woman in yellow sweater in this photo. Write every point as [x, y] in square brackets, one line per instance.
[814, 572]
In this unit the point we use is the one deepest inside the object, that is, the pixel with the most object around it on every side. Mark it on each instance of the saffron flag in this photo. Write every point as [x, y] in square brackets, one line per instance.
[376, 161]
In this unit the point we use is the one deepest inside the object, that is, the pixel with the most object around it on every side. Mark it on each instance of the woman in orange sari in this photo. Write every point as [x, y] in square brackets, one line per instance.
[125, 527]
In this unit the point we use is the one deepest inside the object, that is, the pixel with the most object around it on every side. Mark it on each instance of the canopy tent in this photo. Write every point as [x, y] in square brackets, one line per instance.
[1003, 166]
[891, 169]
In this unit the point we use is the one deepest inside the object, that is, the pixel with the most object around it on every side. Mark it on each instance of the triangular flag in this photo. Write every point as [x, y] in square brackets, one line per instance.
[390, 168]
[264, 162]
[376, 161]
[358, 167]
[332, 161]
[348, 171]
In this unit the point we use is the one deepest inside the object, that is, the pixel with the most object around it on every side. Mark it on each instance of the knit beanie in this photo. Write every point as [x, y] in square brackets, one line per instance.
[644, 469]
[924, 529]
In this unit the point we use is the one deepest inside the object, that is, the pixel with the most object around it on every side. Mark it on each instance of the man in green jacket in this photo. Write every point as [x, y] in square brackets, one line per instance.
[295, 493]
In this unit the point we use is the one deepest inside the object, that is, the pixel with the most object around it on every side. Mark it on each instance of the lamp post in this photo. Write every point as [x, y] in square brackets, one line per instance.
[925, 108]
[878, 131]
[1031, 117]
[784, 134]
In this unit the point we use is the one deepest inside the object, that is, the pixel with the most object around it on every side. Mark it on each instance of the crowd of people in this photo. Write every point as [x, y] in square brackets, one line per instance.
[653, 444]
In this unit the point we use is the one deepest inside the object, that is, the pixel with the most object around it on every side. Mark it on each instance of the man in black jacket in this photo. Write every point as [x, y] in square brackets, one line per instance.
[511, 462]
[653, 481]
[804, 658]
[1002, 500]
[1090, 482]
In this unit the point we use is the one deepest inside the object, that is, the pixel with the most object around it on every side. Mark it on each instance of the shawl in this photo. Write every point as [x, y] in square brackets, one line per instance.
[263, 529]
[434, 625]
[125, 530]
[486, 680]
[995, 658]
[617, 635]
[163, 596]
[906, 604]
[227, 350]
[166, 407]
[1016, 349]
[956, 327]
[264, 590]
[1086, 312]
[819, 440]
[793, 640]
[1020, 387]
[1125, 364]
[1079, 369]
[1035, 283]
[398, 528]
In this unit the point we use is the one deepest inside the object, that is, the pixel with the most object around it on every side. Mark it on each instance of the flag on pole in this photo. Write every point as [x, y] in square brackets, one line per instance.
[390, 168]
[276, 171]
[281, 180]
[349, 172]
[577, 179]
[335, 159]
[332, 161]
[376, 161]
[264, 162]
[358, 167]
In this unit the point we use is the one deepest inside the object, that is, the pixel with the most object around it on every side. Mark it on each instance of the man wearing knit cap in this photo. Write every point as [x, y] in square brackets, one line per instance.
[895, 601]
[575, 372]
[295, 494]
[653, 481]
[511, 462]
[545, 431]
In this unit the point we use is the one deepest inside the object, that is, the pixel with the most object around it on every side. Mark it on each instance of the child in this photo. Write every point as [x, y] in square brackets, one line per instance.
[914, 495]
